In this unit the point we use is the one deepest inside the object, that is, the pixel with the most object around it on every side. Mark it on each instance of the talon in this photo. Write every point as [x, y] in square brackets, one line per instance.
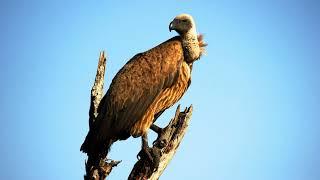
[156, 158]
[151, 154]
[160, 143]
[146, 150]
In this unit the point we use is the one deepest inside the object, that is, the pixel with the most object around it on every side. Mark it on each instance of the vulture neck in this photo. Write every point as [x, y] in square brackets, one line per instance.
[190, 45]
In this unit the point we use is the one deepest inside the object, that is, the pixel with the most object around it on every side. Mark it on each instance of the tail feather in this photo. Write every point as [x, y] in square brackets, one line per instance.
[85, 145]
[94, 146]
[97, 150]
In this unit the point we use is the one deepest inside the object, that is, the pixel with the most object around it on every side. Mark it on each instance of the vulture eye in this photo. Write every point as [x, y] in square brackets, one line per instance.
[184, 20]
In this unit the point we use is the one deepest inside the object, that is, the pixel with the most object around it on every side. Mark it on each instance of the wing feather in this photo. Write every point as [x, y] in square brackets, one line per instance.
[137, 85]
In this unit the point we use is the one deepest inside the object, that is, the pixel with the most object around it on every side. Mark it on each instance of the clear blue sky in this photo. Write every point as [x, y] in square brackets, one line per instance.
[256, 95]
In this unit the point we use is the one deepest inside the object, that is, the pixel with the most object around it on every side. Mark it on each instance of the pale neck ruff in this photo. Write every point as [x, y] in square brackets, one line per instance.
[191, 45]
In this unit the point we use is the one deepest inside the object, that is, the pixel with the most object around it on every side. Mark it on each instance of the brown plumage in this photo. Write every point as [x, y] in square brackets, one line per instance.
[145, 86]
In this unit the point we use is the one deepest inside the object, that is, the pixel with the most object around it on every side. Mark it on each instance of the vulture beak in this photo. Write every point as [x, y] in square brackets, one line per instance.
[171, 26]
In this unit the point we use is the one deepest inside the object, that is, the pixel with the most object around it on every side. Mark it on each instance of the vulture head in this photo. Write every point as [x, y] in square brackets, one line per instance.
[192, 43]
[183, 24]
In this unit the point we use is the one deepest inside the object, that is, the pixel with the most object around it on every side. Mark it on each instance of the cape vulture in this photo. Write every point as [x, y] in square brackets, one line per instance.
[147, 85]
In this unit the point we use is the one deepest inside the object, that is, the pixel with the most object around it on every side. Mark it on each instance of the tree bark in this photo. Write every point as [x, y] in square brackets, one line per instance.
[165, 146]
[103, 170]
[162, 151]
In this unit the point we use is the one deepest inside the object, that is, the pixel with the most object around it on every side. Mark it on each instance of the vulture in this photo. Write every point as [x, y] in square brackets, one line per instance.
[148, 84]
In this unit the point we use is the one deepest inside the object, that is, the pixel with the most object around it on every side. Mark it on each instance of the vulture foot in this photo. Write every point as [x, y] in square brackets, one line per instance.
[151, 155]
[161, 140]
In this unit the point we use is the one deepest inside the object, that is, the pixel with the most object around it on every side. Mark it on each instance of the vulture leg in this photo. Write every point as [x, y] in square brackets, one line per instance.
[149, 153]
[156, 129]
[145, 147]
[159, 142]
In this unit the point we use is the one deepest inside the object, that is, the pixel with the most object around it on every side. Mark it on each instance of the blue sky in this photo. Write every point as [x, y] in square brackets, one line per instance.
[255, 95]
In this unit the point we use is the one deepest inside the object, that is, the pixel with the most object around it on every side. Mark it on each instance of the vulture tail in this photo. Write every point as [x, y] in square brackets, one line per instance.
[96, 147]
[97, 150]
[85, 145]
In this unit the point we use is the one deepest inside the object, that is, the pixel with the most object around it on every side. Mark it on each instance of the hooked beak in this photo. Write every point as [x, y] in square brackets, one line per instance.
[171, 26]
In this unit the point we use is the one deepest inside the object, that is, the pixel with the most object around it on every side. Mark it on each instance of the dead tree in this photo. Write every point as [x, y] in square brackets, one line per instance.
[164, 147]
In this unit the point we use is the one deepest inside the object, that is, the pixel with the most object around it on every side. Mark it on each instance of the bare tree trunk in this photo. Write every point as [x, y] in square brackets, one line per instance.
[103, 170]
[164, 147]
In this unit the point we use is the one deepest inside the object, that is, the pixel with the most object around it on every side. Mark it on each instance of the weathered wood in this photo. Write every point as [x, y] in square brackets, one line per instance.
[164, 147]
[97, 89]
[94, 172]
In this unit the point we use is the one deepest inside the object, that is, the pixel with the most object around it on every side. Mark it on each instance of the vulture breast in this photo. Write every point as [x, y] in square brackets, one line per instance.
[166, 99]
